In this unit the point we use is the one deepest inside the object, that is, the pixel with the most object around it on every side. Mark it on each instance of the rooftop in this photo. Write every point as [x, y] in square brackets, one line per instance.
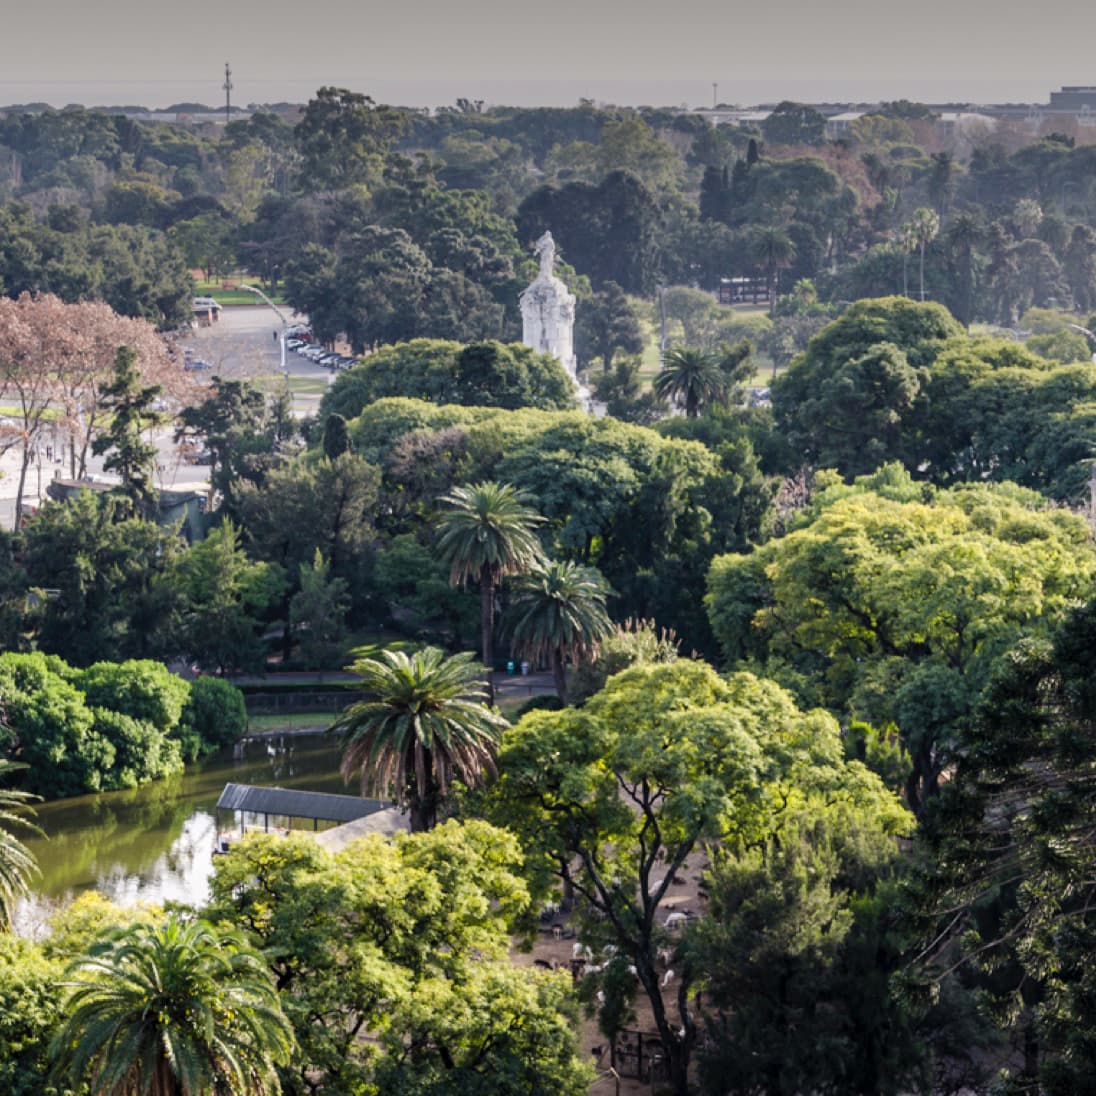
[295, 804]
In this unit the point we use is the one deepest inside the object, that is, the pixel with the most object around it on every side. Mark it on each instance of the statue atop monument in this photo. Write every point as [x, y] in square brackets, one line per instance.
[548, 310]
[545, 247]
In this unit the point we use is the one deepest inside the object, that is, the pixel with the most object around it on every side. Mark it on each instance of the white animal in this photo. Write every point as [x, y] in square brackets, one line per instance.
[665, 955]
[667, 978]
[675, 920]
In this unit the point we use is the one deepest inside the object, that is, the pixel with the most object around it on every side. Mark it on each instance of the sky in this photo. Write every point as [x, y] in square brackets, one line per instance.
[552, 52]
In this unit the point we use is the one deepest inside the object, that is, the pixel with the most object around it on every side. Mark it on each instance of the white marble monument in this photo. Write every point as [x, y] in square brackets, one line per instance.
[548, 310]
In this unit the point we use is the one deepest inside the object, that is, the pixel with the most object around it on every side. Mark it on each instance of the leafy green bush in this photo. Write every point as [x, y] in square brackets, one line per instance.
[142, 689]
[215, 716]
[141, 751]
[539, 704]
[114, 725]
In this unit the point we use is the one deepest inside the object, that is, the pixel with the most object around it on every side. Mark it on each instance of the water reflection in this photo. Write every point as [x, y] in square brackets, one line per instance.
[155, 843]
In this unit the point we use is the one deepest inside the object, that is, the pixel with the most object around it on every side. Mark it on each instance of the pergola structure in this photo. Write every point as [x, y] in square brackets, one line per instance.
[285, 803]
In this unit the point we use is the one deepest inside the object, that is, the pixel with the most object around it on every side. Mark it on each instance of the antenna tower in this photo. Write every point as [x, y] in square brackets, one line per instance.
[227, 85]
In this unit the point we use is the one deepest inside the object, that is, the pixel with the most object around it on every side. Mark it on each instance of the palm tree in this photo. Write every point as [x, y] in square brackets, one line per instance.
[692, 377]
[17, 864]
[925, 224]
[1027, 215]
[487, 532]
[773, 249]
[176, 1009]
[906, 237]
[964, 233]
[423, 722]
[558, 611]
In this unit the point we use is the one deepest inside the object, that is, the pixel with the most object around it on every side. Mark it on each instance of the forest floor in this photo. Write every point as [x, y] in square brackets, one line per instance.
[555, 947]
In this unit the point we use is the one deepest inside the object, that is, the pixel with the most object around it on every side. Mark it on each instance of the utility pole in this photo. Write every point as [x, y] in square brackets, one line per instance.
[715, 95]
[227, 85]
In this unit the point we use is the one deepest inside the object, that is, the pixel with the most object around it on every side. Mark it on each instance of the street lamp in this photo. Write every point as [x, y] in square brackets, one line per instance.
[1088, 335]
[285, 324]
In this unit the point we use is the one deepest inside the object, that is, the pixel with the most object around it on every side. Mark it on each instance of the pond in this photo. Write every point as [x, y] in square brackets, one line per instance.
[155, 843]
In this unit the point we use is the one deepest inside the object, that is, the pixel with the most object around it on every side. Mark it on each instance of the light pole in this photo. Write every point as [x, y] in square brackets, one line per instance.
[285, 324]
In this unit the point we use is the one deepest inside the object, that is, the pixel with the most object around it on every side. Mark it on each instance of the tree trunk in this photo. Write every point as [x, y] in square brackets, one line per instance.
[83, 467]
[22, 486]
[922, 273]
[422, 803]
[677, 1048]
[419, 816]
[559, 674]
[487, 628]
[1031, 1051]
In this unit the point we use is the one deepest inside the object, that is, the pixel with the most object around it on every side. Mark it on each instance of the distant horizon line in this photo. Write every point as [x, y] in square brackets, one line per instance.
[159, 93]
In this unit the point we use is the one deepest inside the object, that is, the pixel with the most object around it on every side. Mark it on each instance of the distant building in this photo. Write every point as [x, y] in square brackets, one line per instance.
[838, 125]
[1072, 100]
[964, 121]
[753, 290]
[206, 311]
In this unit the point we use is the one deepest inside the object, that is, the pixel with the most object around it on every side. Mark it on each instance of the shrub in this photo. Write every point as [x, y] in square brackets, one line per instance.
[215, 717]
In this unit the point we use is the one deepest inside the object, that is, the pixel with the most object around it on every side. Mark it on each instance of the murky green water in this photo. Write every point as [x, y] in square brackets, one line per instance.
[156, 843]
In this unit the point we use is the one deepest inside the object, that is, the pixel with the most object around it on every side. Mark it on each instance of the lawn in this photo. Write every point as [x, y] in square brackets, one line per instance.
[13, 411]
[305, 386]
[290, 721]
[224, 291]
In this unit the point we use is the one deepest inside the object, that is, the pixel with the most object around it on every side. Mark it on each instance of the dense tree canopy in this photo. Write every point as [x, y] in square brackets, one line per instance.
[483, 374]
[893, 603]
[404, 942]
[1008, 853]
[614, 798]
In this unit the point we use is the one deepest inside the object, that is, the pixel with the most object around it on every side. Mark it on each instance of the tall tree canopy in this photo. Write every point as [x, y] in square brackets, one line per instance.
[892, 603]
[423, 723]
[613, 798]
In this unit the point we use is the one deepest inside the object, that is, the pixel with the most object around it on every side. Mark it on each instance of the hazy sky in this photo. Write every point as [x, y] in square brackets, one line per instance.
[426, 52]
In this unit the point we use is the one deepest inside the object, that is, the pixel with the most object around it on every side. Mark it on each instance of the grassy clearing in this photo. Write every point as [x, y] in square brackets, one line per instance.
[49, 414]
[225, 292]
[305, 386]
[293, 721]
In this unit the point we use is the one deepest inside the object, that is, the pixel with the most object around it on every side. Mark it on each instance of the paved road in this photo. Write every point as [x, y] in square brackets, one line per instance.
[534, 684]
[244, 345]
[240, 346]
